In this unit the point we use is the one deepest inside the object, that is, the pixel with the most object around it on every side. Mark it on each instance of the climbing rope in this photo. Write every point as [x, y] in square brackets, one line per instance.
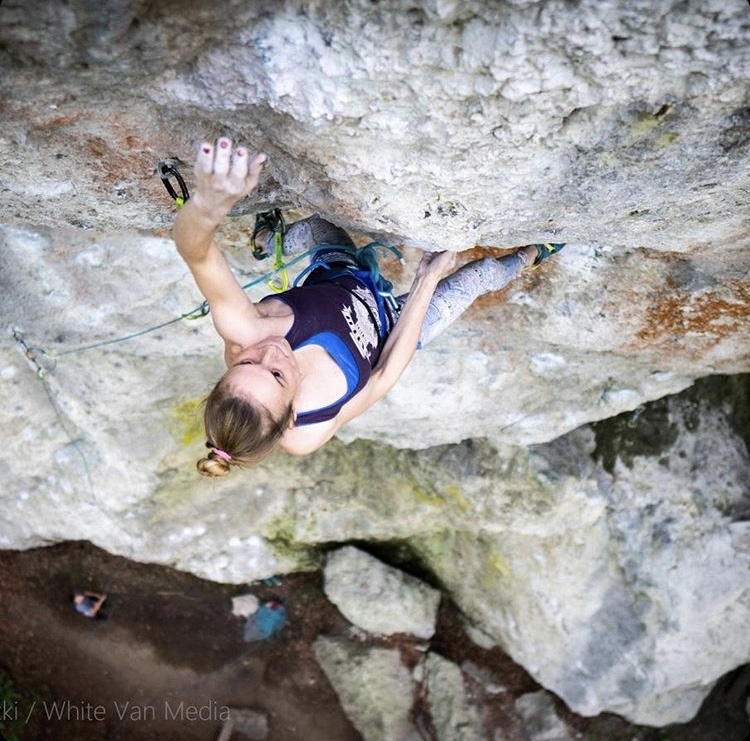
[277, 280]
[37, 356]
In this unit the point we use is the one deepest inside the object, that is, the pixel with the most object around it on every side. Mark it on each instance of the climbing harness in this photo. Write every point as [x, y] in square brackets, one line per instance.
[167, 168]
[361, 259]
[362, 264]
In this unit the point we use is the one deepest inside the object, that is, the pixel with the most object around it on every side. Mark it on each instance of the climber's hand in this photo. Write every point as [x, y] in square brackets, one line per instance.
[436, 265]
[224, 176]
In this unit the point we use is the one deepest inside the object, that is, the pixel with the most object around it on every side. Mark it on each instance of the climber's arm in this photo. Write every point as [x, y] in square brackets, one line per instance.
[401, 344]
[221, 181]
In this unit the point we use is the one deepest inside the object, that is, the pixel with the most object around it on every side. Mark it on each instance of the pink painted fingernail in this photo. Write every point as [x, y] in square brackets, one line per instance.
[240, 152]
[206, 150]
[223, 143]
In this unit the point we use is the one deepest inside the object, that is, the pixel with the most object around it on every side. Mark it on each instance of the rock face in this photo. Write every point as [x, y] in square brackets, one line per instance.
[542, 723]
[452, 714]
[378, 598]
[375, 688]
[594, 547]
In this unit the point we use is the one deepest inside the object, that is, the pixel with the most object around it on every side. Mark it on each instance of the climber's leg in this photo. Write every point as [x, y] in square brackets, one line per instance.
[458, 291]
[305, 235]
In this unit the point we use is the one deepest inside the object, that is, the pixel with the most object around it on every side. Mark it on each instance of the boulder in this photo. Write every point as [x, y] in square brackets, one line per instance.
[375, 688]
[378, 598]
[454, 717]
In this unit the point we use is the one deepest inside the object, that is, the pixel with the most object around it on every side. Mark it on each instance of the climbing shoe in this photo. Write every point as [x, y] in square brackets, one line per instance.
[546, 250]
[272, 221]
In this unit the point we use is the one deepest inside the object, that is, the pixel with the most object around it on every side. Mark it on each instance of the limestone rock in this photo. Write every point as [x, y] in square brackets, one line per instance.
[376, 690]
[607, 569]
[453, 716]
[619, 128]
[444, 123]
[540, 718]
[377, 597]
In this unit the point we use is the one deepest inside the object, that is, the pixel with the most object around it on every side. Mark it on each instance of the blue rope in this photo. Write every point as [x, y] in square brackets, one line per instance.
[197, 313]
[366, 257]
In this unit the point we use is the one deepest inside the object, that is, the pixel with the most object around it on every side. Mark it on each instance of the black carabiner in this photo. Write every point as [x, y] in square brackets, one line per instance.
[168, 168]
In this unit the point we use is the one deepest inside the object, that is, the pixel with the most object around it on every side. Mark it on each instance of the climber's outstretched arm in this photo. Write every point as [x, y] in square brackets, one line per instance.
[222, 179]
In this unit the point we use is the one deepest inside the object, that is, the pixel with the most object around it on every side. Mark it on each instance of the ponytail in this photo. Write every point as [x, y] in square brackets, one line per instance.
[238, 432]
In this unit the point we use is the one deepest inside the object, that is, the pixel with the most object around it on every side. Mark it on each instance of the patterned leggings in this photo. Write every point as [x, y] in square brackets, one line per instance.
[453, 295]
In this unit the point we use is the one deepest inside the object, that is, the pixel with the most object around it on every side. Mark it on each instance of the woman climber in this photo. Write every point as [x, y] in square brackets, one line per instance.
[303, 363]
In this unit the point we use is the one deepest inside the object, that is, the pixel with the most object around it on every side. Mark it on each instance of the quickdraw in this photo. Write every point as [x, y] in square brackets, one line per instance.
[273, 221]
[167, 168]
[280, 279]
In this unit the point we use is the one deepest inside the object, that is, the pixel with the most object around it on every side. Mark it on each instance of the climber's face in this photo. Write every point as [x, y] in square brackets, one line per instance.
[266, 373]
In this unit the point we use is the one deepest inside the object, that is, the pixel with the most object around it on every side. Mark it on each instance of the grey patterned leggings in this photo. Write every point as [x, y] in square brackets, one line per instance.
[453, 294]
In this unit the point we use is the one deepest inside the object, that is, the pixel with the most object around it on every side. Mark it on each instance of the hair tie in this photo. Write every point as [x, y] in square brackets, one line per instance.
[222, 454]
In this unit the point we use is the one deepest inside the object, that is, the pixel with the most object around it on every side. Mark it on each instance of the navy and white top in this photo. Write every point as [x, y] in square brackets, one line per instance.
[342, 314]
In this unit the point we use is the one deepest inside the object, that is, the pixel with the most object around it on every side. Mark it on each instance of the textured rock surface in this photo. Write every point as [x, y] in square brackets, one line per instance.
[541, 720]
[452, 713]
[448, 122]
[618, 562]
[378, 598]
[376, 690]
[620, 128]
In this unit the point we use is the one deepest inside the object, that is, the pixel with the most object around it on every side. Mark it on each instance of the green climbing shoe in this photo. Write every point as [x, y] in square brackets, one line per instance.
[546, 250]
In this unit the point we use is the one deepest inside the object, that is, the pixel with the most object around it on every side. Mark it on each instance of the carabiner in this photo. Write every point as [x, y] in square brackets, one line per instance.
[167, 168]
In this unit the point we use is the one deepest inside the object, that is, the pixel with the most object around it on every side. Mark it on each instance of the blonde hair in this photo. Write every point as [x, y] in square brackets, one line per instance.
[238, 432]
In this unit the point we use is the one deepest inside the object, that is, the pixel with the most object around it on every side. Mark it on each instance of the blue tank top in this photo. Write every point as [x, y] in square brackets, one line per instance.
[340, 314]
